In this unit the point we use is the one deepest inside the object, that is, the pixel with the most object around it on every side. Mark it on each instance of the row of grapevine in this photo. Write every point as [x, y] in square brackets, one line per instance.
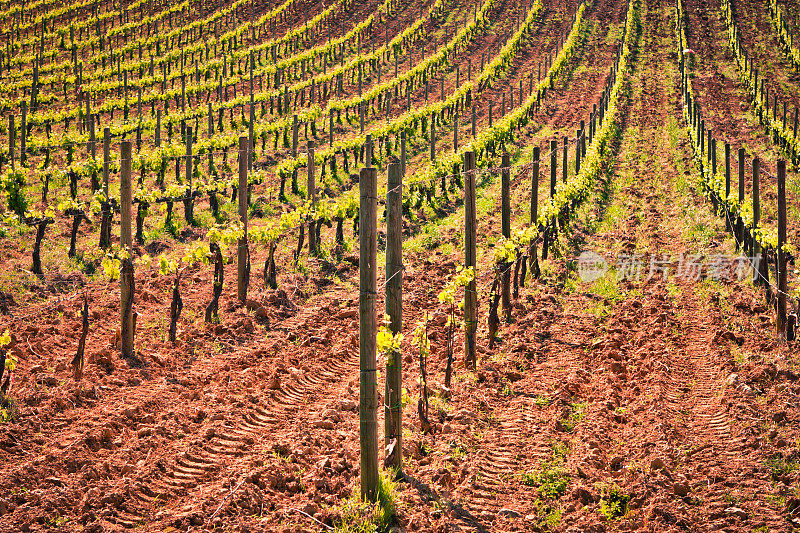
[764, 245]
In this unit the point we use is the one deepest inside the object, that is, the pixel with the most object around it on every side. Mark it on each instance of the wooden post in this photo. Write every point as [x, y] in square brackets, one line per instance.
[23, 135]
[243, 258]
[403, 151]
[158, 127]
[578, 151]
[553, 166]
[12, 135]
[727, 170]
[533, 260]
[470, 236]
[190, 201]
[330, 133]
[455, 132]
[394, 308]
[739, 228]
[433, 137]
[106, 158]
[367, 332]
[474, 121]
[312, 196]
[294, 135]
[251, 127]
[754, 246]
[781, 266]
[564, 169]
[505, 208]
[126, 275]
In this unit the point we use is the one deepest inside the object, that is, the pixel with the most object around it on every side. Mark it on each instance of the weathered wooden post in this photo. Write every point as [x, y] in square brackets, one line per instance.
[330, 128]
[189, 201]
[311, 185]
[158, 127]
[23, 135]
[105, 218]
[243, 257]
[394, 308]
[470, 256]
[12, 136]
[739, 222]
[128, 325]
[533, 260]
[403, 151]
[505, 209]
[455, 132]
[93, 152]
[755, 247]
[781, 254]
[367, 332]
[433, 137]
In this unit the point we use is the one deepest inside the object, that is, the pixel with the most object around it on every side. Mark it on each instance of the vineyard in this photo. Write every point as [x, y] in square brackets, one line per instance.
[435, 265]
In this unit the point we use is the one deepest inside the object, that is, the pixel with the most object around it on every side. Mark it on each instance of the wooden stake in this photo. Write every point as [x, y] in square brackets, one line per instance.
[455, 132]
[12, 135]
[781, 267]
[294, 135]
[243, 258]
[394, 308]
[189, 205]
[433, 137]
[533, 260]
[126, 275]
[311, 185]
[755, 247]
[470, 247]
[367, 332]
[739, 222]
[23, 135]
[403, 151]
[505, 208]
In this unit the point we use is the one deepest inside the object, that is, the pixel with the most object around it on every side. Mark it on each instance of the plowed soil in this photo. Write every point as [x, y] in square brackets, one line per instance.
[659, 404]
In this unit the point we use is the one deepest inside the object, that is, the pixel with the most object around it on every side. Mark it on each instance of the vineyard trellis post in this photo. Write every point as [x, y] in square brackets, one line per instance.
[455, 132]
[243, 258]
[12, 134]
[505, 208]
[126, 275]
[781, 254]
[158, 127]
[368, 398]
[564, 168]
[727, 183]
[533, 260]
[755, 248]
[394, 308]
[739, 221]
[470, 256]
[403, 151]
[312, 197]
[189, 201]
[93, 151]
[433, 138]
[23, 134]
